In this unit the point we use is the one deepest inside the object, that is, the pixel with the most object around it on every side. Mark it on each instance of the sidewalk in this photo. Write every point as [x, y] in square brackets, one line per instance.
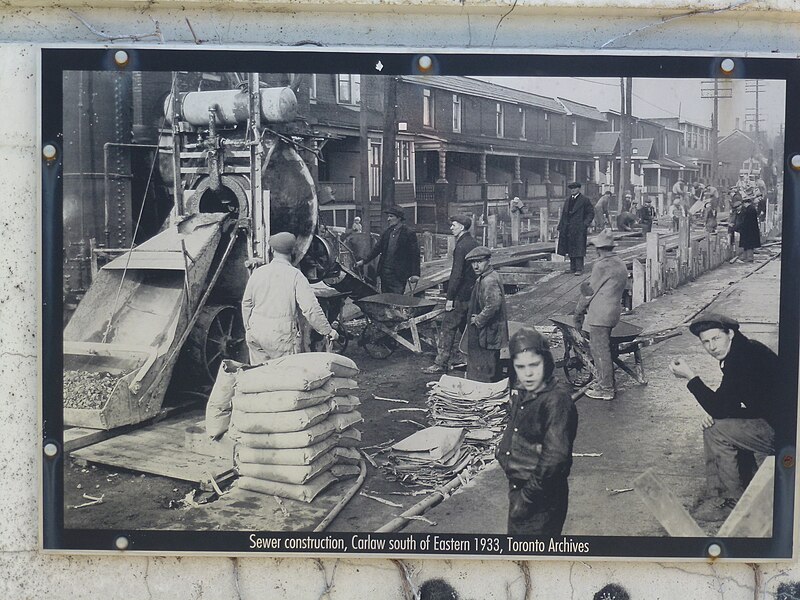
[657, 425]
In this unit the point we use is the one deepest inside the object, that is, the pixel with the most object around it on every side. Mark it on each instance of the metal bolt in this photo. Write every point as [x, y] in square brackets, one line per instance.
[788, 461]
[727, 66]
[50, 450]
[425, 63]
[49, 152]
[121, 58]
[796, 162]
[121, 543]
[714, 550]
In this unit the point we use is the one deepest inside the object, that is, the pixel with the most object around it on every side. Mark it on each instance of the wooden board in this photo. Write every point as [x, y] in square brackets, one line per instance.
[177, 448]
[665, 506]
[752, 516]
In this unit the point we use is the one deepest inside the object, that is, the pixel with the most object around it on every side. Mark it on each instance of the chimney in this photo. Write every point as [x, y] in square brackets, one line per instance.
[737, 122]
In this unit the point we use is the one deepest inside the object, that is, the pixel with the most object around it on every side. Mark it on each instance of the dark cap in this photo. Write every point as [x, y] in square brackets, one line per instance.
[479, 253]
[527, 338]
[710, 320]
[282, 242]
[574, 185]
[463, 219]
[397, 212]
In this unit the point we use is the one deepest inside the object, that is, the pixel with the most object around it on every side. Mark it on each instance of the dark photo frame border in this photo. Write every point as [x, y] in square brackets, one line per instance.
[56, 60]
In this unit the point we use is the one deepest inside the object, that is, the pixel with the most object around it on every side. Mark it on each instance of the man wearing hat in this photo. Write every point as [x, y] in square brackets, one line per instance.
[602, 307]
[399, 251]
[487, 327]
[273, 294]
[459, 291]
[742, 412]
[577, 215]
[602, 218]
[647, 215]
[747, 228]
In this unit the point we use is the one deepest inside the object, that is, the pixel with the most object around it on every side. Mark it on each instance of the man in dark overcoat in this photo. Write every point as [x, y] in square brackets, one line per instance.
[459, 290]
[487, 329]
[576, 218]
[747, 227]
[399, 252]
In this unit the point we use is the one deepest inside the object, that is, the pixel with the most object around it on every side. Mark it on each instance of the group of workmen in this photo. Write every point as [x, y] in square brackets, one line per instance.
[536, 451]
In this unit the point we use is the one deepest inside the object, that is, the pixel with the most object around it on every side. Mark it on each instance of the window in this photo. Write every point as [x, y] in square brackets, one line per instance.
[575, 132]
[456, 113]
[547, 127]
[374, 169]
[348, 89]
[312, 89]
[402, 171]
[666, 145]
[522, 133]
[427, 108]
[500, 125]
[574, 171]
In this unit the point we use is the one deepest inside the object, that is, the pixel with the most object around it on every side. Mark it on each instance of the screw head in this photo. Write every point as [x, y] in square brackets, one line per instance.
[795, 162]
[121, 58]
[121, 543]
[714, 550]
[788, 461]
[727, 66]
[425, 63]
[49, 152]
[50, 450]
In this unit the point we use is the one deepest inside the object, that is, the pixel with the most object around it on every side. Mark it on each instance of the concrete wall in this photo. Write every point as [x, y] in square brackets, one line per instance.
[691, 25]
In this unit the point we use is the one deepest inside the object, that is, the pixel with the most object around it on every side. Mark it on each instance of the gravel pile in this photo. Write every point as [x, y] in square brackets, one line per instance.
[86, 389]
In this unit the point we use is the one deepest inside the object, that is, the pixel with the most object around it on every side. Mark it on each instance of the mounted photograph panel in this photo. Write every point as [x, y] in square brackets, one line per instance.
[194, 399]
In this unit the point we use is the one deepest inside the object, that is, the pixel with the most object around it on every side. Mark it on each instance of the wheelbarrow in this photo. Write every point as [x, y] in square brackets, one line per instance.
[390, 319]
[577, 361]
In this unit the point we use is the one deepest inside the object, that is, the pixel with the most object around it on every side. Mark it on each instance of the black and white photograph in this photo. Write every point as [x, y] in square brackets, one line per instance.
[418, 311]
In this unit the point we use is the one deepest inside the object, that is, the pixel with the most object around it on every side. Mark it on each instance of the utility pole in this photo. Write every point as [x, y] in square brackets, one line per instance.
[716, 90]
[364, 152]
[626, 105]
[389, 139]
[753, 115]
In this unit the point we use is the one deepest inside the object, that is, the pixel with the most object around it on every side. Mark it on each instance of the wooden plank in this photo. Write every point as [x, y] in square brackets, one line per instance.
[665, 506]
[752, 516]
[168, 448]
[639, 283]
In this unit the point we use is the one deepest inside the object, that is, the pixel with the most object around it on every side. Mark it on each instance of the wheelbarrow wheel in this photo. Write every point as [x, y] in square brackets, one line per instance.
[577, 371]
[376, 343]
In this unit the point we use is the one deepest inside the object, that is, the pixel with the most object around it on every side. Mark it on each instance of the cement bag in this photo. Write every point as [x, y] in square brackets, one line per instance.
[340, 386]
[339, 365]
[284, 456]
[344, 420]
[282, 422]
[280, 401]
[346, 456]
[295, 439]
[345, 471]
[270, 378]
[345, 404]
[298, 474]
[218, 409]
[349, 438]
[304, 493]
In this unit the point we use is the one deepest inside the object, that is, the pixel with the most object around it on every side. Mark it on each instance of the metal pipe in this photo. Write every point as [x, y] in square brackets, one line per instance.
[212, 145]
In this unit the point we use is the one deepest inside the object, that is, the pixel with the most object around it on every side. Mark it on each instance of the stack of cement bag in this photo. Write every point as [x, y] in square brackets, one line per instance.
[430, 457]
[458, 402]
[292, 419]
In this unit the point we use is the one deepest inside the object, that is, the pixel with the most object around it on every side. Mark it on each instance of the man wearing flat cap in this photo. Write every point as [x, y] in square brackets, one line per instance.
[577, 215]
[273, 294]
[602, 306]
[742, 412]
[398, 249]
[487, 328]
[459, 291]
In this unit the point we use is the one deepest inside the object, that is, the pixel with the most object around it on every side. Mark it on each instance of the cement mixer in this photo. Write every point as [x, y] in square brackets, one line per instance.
[237, 180]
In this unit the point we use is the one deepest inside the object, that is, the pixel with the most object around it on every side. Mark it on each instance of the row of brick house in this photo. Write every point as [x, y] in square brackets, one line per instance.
[463, 142]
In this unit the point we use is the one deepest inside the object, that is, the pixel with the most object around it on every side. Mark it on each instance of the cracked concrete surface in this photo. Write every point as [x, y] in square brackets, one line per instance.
[26, 572]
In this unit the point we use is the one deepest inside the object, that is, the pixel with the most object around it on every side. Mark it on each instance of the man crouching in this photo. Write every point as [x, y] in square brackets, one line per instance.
[741, 412]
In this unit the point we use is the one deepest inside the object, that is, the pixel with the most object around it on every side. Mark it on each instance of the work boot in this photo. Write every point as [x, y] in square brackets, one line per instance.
[599, 393]
[713, 508]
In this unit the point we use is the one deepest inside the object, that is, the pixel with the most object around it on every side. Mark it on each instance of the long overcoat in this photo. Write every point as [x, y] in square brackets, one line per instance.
[747, 226]
[576, 216]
